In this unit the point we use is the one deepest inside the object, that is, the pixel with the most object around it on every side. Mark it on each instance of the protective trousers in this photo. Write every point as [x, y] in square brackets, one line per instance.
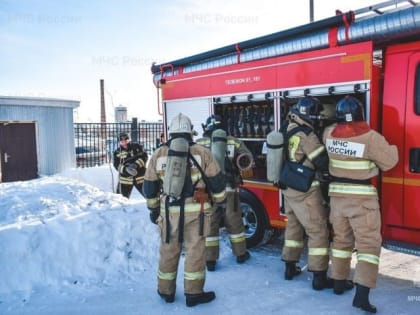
[126, 189]
[357, 223]
[195, 259]
[306, 213]
[234, 225]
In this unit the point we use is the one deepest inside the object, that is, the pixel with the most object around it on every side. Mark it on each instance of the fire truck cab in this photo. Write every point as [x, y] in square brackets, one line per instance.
[252, 85]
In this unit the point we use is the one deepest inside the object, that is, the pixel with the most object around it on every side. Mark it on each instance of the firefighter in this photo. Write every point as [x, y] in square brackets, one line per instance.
[356, 154]
[306, 212]
[182, 181]
[227, 150]
[129, 159]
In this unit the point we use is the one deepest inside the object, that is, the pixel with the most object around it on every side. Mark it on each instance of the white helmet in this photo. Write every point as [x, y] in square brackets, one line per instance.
[180, 124]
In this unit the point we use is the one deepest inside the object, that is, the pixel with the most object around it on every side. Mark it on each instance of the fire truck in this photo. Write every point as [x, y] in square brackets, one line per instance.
[372, 53]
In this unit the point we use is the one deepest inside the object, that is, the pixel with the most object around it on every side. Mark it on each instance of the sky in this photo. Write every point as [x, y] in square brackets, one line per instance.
[62, 49]
[69, 245]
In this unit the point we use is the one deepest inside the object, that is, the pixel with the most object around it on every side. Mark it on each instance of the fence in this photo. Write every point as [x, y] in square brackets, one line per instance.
[96, 142]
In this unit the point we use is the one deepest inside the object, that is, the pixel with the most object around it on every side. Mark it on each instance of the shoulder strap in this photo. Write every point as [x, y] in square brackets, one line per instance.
[203, 175]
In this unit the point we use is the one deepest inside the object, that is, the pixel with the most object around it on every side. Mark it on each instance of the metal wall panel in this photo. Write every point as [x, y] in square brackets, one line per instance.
[55, 133]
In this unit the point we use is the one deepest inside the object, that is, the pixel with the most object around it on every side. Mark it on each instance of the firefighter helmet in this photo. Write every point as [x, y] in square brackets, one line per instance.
[349, 109]
[123, 136]
[308, 108]
[181, 124]
[212, 123]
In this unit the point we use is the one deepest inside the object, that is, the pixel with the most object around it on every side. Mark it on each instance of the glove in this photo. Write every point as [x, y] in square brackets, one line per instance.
[131, 169]
[154, 215]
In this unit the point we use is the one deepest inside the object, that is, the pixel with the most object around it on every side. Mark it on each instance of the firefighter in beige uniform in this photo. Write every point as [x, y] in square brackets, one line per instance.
[183, 220]
[356, 154]
[305, 210]
[232, 214]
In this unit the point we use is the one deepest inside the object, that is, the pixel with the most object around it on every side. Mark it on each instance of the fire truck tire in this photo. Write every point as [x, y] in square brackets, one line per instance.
[254, 218]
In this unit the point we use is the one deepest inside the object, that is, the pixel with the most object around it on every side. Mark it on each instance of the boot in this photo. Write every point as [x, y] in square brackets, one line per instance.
[194, 299]
[342, 285]
[169, 298]
[291, 270]
[211, 265]
[321, 281]
[361, 299]
[242, 258]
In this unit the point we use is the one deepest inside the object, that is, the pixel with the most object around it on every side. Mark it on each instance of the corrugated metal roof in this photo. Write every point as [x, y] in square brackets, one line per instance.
[38, 101]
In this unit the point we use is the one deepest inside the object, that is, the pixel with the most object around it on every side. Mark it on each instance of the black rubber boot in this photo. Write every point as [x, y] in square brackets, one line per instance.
[243, 258]
[321, 281]
[211, 265]
[194, 299]
[342, 285]
[291, 270]
[169, 298]
[361, 299]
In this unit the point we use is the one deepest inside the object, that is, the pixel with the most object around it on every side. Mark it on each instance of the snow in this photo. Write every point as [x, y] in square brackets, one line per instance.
[69, 245]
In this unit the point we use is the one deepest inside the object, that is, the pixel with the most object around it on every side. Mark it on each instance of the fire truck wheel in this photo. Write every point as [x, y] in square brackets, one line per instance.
[254, 218]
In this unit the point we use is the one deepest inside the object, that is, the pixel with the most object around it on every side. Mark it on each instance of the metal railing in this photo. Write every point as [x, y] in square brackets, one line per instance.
[96, 142]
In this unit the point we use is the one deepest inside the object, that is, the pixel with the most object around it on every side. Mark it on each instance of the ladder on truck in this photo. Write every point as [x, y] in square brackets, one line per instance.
[383, 8]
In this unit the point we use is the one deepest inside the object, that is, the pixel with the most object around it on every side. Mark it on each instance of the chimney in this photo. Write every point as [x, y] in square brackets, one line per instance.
[103, 114]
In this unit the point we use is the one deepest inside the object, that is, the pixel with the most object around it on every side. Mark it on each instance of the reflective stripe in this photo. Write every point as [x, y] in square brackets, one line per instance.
[152, 202]
[352, 189]
[352, 165]
[204, 141]
[293, 146]
[369, 258]
[190, 207]
[237, 238]
[320, 251]
[339, 253]
[199, 275]
[139, 179]
[126, 180]
[167, 275]
[195, 177]
[315, 183]
[294, 244]
[219, 195]
[234, 142]
[315, 153]
[140, 162]
[212, 241]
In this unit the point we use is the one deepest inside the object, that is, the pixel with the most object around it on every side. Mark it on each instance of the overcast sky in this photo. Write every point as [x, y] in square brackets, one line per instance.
[61, 49]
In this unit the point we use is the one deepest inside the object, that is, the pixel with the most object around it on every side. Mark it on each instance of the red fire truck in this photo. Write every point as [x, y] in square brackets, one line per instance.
[372, 53]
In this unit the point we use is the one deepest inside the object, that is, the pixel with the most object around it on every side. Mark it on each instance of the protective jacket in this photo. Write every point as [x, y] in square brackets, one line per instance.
[356, 153]
[185, 220]
[231, 213]
[132, 156]
[306, 211]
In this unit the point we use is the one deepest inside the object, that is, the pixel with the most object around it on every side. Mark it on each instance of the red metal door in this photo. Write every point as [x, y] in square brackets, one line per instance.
[412, 145]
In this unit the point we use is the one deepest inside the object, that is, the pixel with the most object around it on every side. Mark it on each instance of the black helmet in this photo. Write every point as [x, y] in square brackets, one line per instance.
[123, 136]
[308, 108]
[212, 123]
[349, 109]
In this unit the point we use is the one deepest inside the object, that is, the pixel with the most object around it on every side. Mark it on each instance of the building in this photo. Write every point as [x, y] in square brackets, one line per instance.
[36, 137]
[121, 114]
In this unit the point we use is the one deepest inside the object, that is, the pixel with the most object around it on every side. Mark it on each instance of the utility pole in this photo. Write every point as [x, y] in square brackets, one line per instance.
[311, 11]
